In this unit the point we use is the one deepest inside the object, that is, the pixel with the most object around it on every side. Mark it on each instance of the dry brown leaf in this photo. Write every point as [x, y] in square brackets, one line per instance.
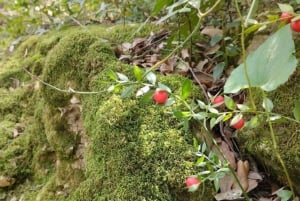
[201, 64]
[6, 181]
[265, 199]
[211, 31]
[212, 50]
[228, 154]
[204, 78]
[226, 183]
[182, 68]
[252, 184]
[235, 194]
[185, 54]
[242, 174]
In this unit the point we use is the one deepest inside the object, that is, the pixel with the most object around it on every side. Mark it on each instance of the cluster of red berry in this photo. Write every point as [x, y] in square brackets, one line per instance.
[290, 18]
[235, 123]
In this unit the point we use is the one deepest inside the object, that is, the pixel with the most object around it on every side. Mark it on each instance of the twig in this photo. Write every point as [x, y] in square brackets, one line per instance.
[199, 83]
[70, 90]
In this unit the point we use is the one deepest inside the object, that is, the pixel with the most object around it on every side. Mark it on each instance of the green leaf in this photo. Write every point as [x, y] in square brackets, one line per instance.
[170, 102]
[195, 3]
[286, 8]
[112, 75]
[218, 70]
[164, 87]
[267, 104]
[146, 98]
[127, 92]
[217, 184]
[201, 104]
[215, 39]
[151, 77]
[253, 123]
[186, 88]
[229, 102]
[199, 116]
[111, 88]
[296, 110]
[195, 143]
[180, 115]
[138, 73]
[159, 5]
[122, 77]
[268, 66]
[243, 107]
[285, 195]
[252, 10]
[143, 90]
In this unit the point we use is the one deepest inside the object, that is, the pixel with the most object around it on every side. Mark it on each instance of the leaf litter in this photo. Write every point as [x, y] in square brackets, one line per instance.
[146, 52]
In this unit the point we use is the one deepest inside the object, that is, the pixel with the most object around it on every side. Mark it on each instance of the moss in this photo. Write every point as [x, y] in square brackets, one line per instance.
[288, 140]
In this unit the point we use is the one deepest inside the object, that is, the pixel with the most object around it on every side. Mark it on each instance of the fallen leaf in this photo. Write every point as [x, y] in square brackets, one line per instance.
[211, 31]
[242, 174]
[185, 54]
[226, 183]
[235, 194]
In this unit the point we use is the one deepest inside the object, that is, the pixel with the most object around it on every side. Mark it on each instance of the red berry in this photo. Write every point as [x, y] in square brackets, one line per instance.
[295, 25]
[160, 96]
[286, 17]
[192, 183]
[239, 124]
[218, 100]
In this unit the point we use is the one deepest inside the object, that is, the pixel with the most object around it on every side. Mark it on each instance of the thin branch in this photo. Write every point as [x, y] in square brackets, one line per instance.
[70, 90]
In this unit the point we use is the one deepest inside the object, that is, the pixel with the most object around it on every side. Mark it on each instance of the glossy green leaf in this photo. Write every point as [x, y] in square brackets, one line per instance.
[143, 90]
[112, 75]
[151, 77]
[267, 104]
[199, 116]
[286, 8]
[163, 87]
[296, 110]
[147, 97]
[285, 195]
[159, 5]
[138, 73]
[252, 11]
[186, 88]
[122, 77]
[170, 102]
[229, 102]
[218, 70]
[253, 123]
[127, 92]
[269, 66]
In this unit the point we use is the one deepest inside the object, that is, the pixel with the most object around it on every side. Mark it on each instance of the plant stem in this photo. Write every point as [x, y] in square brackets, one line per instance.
[244, 55]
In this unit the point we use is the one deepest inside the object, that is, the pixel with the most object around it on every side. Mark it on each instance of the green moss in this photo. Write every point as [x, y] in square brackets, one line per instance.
[288, 140]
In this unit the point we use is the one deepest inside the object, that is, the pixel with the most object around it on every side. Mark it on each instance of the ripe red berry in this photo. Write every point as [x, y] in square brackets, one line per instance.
[239, 124]
[295, 25]
[286, 17]
[218, 100]
[160, 96]
[192, 183]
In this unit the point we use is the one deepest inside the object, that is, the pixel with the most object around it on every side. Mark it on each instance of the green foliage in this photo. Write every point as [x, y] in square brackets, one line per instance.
[268, 66]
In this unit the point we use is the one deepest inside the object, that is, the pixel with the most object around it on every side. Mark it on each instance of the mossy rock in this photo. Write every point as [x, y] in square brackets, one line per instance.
[132, 150]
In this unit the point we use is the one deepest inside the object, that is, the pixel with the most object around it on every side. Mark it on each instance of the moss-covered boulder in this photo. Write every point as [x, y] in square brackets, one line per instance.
[86, 146]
